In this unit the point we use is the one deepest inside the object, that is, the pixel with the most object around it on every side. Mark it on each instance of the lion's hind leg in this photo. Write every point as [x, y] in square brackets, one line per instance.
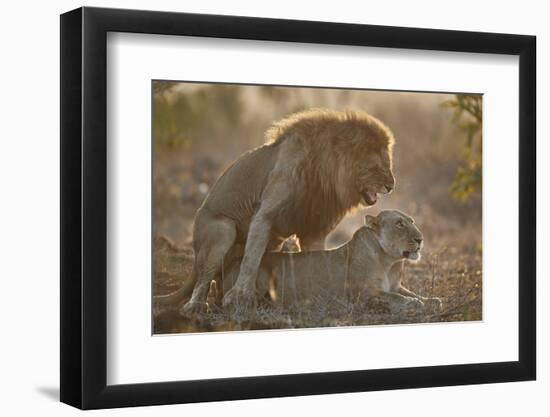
[215, 244]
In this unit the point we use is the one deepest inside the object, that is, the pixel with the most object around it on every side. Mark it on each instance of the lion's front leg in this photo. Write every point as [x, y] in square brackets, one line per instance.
[241, 299]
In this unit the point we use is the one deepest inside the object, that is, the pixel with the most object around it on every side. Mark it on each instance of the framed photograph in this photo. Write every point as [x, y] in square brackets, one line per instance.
[257, 208]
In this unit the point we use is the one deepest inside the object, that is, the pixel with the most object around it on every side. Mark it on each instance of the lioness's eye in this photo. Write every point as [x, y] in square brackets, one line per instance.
[399, 223]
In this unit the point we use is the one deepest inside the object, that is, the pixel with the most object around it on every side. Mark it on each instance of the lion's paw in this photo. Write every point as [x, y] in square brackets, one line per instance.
[241, 304]
[193, 308]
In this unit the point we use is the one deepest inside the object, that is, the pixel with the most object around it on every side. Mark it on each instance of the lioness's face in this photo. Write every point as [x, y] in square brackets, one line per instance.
[398, 235]
[374, 176]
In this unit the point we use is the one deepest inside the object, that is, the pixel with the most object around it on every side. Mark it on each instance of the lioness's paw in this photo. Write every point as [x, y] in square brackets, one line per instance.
[433, 304]
[409, 304]
[414, 304]
[193, 308]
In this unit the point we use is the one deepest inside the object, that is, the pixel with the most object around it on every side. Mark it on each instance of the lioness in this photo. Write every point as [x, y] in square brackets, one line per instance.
[357, 270]
[315, 166]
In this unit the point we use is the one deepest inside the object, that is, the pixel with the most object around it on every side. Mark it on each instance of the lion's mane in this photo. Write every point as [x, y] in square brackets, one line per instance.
[334, 144]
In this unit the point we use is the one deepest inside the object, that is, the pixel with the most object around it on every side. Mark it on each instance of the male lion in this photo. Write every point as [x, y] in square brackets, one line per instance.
[316, 165]
[357, 270]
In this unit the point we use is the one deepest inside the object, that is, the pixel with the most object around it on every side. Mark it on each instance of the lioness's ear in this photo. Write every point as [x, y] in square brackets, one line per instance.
[371, 221]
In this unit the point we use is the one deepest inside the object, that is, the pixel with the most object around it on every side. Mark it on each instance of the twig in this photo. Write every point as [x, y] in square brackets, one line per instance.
[433, 267]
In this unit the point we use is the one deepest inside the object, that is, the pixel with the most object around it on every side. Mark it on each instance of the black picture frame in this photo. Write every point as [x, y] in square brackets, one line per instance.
[84, 207]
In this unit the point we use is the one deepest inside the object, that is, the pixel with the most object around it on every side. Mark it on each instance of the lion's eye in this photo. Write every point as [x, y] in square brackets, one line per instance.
[399, 223]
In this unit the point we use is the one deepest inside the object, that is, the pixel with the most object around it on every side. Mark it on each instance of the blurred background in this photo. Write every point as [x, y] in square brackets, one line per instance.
[199, 129]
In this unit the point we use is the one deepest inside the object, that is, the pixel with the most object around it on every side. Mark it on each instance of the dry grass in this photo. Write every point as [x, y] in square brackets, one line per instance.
[453, 273]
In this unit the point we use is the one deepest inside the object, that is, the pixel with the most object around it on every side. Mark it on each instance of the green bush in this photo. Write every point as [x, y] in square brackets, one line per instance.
[468, 116]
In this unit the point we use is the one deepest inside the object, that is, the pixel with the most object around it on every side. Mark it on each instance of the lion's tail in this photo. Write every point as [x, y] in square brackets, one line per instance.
[178, 296]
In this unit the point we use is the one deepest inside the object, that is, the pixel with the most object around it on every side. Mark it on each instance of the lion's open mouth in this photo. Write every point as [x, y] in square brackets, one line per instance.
[370, 197]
